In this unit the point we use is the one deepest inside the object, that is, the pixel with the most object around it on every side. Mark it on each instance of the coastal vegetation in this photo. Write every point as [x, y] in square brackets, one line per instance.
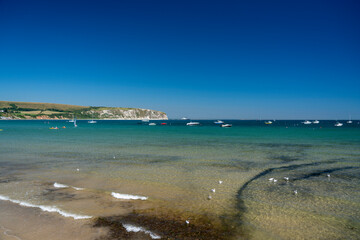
[29, 110]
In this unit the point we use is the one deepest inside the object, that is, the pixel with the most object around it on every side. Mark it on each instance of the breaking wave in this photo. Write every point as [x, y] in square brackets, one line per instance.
[45, 208]
[132, 228]
[127, 196]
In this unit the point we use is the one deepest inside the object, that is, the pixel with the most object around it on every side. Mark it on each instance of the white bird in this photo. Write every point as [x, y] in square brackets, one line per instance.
[209, 197]
[271, 179]
[286, 178]
[187, 222]
[213, 190]
[114, 157]
[220, 182]
[275, 180]
[328, 175]
[77, 169]
[295, 192]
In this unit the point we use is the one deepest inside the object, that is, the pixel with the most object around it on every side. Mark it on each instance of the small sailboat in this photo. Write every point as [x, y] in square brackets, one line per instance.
[306, 122]
[226, 125]
[72, 120]
[75, 125]
[152, 124]
[268, 122]
[92, 120]
[54, 128]
[338, 124]
[349, 120]
[219, 122]
[193, 124]
[316, 122]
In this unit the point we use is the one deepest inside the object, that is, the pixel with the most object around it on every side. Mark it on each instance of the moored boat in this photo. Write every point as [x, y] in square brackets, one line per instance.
[192, 124]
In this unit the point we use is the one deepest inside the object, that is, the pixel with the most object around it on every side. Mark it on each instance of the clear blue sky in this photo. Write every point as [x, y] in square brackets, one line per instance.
[200, 59]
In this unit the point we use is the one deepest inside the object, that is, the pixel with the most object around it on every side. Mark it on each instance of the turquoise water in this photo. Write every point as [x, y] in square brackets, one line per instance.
[176, 166]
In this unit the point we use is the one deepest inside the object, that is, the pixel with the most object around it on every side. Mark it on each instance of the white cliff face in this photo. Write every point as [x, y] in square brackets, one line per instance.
[127, 114]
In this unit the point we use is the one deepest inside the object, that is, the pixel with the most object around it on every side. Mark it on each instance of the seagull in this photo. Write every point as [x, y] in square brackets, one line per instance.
[271, 179]
[220, 182]
[213, 190]
[114, 157]
[286, 178]
[295, 192]
[77, 169]
[209, 197]
[275, 180]
[187, 222]
[328, 175]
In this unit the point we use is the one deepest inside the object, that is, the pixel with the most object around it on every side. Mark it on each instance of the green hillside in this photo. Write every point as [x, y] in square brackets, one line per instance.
[29, 110]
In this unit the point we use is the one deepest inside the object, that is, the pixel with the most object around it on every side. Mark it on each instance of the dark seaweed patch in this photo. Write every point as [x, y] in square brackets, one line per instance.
[57, 194]
[166, 227]
[321, 172]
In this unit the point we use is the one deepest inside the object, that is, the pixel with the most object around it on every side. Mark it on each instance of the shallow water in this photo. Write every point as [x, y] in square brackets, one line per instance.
[171, 170]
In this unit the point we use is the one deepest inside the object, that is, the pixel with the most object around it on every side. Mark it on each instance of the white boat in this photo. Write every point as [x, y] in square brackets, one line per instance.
[268, 122]
[307, 122]
[316, 122]
[152, 124]
[184, 118]
[338, 124]
[219, 122]
[91, 121]
[145, 120]
[72, 120]
[226, 125]
[192, 124]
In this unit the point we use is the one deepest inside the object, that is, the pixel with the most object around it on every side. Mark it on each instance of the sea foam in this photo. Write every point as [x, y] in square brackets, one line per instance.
[59, 185]
[127, 196]
[132, 228]
[45, 208]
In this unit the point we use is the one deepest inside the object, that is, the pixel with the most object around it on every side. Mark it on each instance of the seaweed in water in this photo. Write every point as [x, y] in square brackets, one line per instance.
[166, 227]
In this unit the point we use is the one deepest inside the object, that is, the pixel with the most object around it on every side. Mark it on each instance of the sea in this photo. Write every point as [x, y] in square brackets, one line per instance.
[129, 180]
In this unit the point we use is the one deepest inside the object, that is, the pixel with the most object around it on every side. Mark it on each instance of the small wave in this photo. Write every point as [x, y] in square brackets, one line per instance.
[45, 208]
[132, 228]
[59, 185]
[127, 196]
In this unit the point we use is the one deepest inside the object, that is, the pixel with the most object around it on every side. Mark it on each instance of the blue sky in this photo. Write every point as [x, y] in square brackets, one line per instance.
[200, 59]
